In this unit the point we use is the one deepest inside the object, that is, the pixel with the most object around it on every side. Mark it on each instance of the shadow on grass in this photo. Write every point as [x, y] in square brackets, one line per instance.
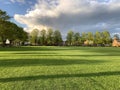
[36, 48]
[45, 62]
[33, 53]
[55, 54]
[59, 48]
[103, 50]
[99, 74]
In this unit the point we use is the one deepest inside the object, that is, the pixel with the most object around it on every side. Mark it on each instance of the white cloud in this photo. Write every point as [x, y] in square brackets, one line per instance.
[81, 15]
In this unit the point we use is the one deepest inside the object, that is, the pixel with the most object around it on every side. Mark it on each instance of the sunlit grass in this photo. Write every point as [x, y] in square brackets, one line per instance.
[60, 68]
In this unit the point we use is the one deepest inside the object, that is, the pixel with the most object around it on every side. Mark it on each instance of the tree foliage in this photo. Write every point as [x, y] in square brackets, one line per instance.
[69, 38]
[9, 30]
[98, 38]
[4, 16]
[76, 39]
[106, 37]
[43, 37]
[34, 36]
[57, 37]
[50, 37]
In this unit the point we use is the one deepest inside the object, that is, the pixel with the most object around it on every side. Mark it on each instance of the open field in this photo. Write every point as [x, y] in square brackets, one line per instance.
[60, 68]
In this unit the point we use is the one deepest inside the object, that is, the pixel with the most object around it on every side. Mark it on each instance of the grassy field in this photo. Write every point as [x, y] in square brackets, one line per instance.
[60, 68]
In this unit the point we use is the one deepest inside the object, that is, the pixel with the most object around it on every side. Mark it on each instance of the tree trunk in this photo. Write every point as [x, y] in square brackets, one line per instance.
[3, 43]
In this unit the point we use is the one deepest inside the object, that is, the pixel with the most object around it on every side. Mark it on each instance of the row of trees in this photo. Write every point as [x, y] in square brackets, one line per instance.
[10, 31]
[98, 38]
[51, 37]
[44, 37]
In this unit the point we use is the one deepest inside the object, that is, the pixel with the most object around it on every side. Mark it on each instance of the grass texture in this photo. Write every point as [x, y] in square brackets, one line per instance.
[59, 68]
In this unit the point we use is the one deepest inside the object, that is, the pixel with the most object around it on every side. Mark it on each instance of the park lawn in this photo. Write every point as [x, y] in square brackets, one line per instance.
[59, 68]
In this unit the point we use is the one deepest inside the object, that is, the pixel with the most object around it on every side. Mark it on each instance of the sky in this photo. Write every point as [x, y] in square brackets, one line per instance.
[64, 15]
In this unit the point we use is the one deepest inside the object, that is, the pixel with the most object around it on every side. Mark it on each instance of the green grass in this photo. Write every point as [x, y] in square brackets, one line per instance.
[60, 68]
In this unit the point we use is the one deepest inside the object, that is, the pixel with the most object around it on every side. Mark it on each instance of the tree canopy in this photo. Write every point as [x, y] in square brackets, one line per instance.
[9, 30]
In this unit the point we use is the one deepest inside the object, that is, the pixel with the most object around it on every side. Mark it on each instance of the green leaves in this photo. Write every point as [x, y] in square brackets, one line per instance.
[57, 37]
[70, 35]
[4, 16]
[9, 30]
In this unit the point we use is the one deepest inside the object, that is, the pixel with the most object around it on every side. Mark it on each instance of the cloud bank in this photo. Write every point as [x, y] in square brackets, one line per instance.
[77, 15]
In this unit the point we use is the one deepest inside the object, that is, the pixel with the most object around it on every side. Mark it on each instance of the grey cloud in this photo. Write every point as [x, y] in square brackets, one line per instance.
[79, 18]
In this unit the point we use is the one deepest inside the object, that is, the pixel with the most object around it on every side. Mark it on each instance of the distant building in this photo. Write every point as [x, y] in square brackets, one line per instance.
[88, 42]
[7, 42]
[116, 43]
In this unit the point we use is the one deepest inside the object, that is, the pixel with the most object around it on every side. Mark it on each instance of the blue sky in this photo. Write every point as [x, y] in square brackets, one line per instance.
[76, 15]
[13, 7]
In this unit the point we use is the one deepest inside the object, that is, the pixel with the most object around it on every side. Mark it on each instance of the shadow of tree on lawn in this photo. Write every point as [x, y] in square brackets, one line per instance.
[99, 74]
[36, 48]
[46, 62]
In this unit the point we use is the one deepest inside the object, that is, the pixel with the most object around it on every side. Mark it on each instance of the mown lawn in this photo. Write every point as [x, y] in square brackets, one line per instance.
[60, 68]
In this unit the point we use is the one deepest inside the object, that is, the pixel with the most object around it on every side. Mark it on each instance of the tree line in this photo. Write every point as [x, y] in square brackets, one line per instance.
[51, 37]
[44, 37]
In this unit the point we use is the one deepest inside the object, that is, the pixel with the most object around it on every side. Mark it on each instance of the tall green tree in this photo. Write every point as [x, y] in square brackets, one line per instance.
[21, 34]
[50, 37]
[76, 39]
[106, 37]
[4, 16]
[83, 37]
[43, 37]
[90, 36]
[70, 35]
[34, 36]
[9, 30]
[12, 32]
[98, 38]
[57, 38]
